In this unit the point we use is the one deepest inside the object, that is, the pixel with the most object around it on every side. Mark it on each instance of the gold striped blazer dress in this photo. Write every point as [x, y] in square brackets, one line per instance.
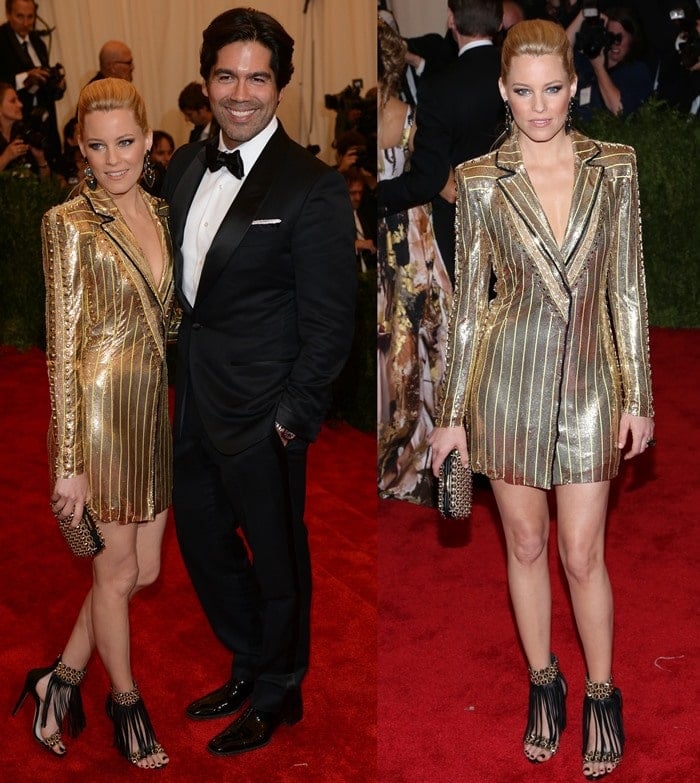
[107, 322]
[541, 373]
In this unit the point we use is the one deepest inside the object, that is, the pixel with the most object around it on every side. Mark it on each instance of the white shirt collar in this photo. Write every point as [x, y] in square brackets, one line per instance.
[250, 150]
[474, 44]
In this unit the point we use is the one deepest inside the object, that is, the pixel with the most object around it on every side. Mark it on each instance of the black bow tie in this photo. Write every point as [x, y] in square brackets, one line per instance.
[232, 160]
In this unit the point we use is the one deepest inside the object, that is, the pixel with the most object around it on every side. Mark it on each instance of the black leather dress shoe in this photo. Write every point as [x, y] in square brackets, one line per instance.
[254, 728]
[224, 701]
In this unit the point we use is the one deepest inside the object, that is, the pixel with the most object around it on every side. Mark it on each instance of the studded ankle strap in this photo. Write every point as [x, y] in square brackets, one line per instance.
[68, 675]
[599, 690]
[126, 698]
[546, 675]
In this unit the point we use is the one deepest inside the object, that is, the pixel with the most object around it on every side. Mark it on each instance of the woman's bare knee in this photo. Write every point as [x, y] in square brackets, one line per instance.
[527, 546]
[116, 577]
[582, 565]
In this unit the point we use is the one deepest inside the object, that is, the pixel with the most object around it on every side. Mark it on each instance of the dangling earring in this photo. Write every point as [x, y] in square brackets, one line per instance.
[509, 118]
[568, 123]
[90, 180]
[149, 173]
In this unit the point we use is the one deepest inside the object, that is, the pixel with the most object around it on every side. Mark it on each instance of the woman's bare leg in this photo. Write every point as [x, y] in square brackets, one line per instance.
[129, 562]
[525, 518]
[581, 513]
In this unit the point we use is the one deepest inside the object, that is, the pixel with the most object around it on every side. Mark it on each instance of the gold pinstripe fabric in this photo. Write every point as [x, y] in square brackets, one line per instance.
[106, 323]
[541, 373]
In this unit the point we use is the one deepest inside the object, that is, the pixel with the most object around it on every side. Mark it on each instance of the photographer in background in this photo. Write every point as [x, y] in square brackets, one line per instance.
[354, 150]
[364, 209]
[608, 56]
[15, 153]
[24, 64]
[353, 112]
[678, 32]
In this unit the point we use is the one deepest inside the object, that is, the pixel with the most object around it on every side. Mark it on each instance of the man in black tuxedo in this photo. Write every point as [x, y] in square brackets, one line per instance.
[459, 115]
[263, 238]
[24, 63]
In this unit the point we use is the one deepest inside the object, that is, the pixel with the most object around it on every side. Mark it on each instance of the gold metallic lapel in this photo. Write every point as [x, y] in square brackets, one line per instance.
[531, 223]
[149, 290]
[558, 267]
[585, 206]
[519, 191]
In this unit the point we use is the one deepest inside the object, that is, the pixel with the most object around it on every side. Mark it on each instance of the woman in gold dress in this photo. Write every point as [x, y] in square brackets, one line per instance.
[109, 300]
[551, 378]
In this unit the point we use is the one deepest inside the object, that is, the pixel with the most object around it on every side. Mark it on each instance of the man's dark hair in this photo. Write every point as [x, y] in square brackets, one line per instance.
[192, 98]
[247, 24]
[477, 17]
[10, 3]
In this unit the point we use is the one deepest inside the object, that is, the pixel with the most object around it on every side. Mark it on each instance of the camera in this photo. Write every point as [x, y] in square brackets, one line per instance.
[54, 85]
[687, 41]
[349, 98]
[355, 113]
[593, 37]
[365, 160]
[32, 130]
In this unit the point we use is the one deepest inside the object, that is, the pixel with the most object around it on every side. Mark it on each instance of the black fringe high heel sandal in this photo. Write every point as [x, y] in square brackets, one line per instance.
[134, 737]
[546, 712]
[62, 697]
[602, 715]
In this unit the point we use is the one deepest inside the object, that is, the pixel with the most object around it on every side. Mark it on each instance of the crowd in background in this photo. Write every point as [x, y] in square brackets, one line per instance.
[30, 141]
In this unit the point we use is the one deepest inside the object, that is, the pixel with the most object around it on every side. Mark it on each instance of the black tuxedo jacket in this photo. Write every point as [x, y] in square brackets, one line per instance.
[459, 116]
[14, 60]
[273, 320]
[196, 133]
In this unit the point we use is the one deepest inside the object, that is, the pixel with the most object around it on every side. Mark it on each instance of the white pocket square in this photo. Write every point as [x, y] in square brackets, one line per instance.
[266, 222]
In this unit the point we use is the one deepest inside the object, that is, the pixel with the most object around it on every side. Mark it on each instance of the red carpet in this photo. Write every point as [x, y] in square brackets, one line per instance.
[452, 680]
[175, 655]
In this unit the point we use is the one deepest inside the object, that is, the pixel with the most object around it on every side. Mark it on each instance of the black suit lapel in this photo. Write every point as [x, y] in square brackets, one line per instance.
[20, 54]
[180, 203]
[184, 193]
[243, 210]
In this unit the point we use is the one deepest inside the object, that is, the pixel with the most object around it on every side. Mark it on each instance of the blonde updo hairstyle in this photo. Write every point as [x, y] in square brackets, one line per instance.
[108, 94]
[391, 56]
[537, 37]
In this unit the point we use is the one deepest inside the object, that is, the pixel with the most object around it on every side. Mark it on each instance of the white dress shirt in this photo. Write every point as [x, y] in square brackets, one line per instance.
[20, 78]
[217, 191]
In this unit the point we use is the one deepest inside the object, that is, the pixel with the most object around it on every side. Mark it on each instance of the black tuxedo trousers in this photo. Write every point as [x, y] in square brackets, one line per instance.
[258, 604]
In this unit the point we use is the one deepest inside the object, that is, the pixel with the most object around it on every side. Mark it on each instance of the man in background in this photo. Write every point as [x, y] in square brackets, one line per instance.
[364, 210]
[116, 61]
[194, 104]
[24, 63]
[459, 115]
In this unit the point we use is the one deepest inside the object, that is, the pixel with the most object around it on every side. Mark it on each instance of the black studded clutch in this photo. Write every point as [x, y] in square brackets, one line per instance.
[84, 540]
[454, 488]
